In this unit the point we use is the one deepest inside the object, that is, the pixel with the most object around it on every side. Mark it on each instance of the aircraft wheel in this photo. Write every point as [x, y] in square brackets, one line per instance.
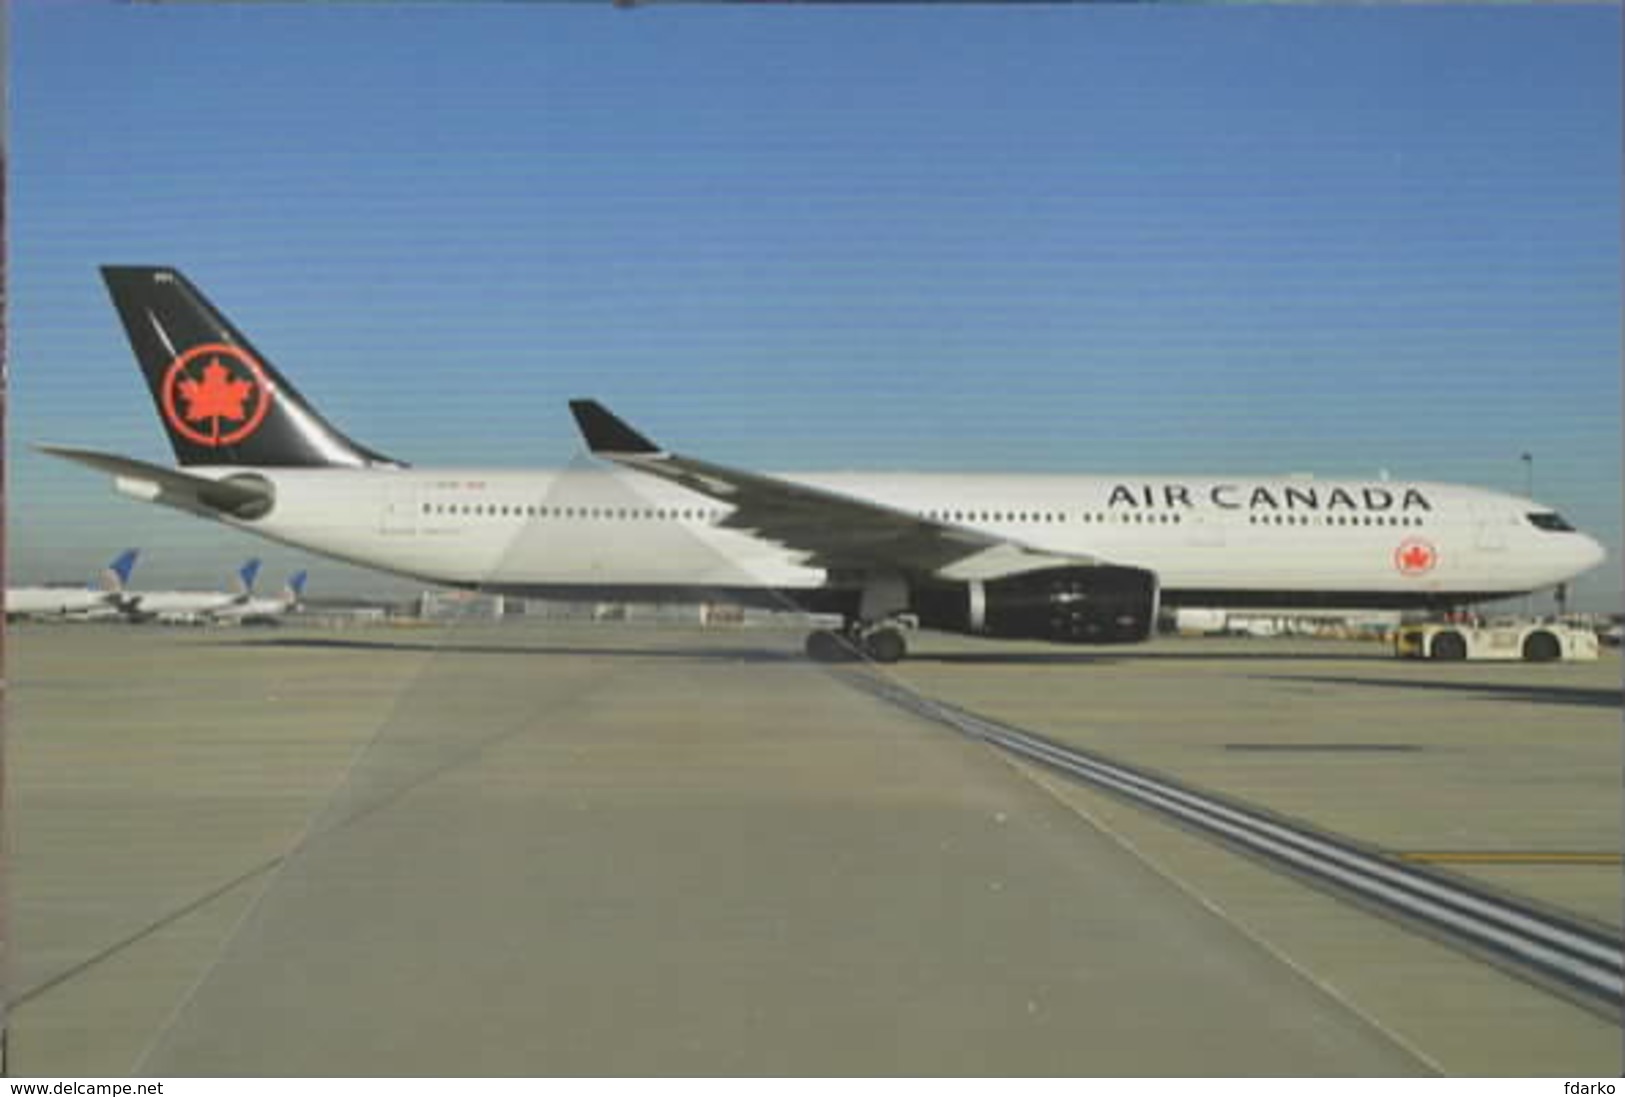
[885, 645]
[1541, 647]
[1449, 646]
[825, 646]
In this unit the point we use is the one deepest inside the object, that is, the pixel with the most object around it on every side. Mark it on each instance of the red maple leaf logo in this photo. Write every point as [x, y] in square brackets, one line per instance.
[217, 396]
[1415, 557]
[232, 387]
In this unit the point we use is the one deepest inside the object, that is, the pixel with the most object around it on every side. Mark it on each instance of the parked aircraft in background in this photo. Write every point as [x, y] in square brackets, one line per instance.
[189, 606]
[1083, 559]
[260, 609]
[99, 598]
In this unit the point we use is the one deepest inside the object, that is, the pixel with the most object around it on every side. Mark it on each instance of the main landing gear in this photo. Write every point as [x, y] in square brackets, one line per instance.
[879, 643]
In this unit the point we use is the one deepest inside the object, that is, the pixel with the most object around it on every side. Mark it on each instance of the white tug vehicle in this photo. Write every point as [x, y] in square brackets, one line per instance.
[1530, 641]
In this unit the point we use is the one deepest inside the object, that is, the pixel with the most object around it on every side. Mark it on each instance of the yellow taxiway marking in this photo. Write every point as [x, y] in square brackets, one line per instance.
[1510, 857]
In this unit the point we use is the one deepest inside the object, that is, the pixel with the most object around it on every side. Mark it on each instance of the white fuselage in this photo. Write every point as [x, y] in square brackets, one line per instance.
[59, 601]
[254, 607]
[177, 603]
[552, 532]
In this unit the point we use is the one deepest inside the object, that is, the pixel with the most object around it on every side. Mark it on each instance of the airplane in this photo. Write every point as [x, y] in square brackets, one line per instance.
[257, 609]
[1066, 558]
[189, 606]
[99, 598]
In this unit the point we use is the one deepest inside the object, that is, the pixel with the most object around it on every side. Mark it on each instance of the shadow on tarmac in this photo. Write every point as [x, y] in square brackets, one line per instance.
[1490, 691]
[1131, 655]
[1060, 656]
[421, 647]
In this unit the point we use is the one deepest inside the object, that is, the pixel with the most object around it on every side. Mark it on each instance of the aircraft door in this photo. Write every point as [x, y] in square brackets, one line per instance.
[1489, 528]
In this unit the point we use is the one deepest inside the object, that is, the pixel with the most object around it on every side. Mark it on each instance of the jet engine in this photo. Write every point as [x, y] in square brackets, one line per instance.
[1105, 604]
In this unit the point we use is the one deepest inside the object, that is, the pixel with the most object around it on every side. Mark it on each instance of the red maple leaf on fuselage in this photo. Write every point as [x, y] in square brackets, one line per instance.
[1416, 558]
[217, 396]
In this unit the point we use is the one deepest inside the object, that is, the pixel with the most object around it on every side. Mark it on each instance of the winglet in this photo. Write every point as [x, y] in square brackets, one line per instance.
[605, 433]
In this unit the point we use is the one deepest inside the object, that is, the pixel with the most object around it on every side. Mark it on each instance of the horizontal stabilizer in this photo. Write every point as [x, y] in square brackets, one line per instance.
[605, 432]
[243, 496]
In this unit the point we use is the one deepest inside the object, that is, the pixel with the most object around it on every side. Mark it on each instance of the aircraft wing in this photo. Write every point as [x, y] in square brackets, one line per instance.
[241, 496]
[835, 531]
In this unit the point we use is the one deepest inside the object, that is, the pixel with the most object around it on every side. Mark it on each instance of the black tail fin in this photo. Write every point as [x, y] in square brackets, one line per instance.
[220, 401]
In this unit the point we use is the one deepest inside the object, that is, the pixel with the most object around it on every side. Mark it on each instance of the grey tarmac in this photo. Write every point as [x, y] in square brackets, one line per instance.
[540, 848]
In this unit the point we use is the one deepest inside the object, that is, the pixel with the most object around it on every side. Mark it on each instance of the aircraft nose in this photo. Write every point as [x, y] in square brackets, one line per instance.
[1591, 553]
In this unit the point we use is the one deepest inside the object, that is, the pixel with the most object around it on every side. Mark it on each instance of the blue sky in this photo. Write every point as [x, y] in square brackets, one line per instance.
[1064, 238]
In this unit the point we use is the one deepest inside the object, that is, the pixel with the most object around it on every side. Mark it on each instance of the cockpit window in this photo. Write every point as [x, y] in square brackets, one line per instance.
[1550, 520]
